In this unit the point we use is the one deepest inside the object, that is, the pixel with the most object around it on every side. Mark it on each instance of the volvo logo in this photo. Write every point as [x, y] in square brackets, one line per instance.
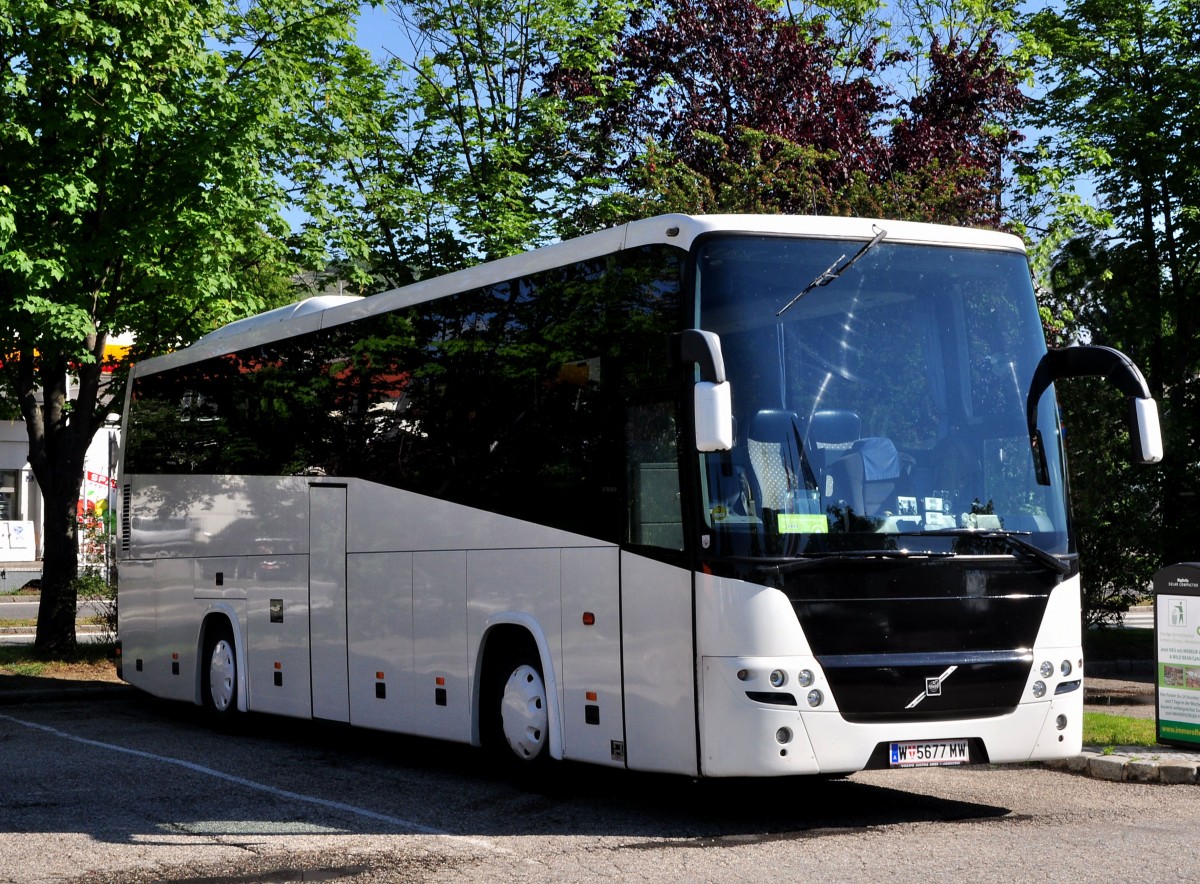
[933, 687]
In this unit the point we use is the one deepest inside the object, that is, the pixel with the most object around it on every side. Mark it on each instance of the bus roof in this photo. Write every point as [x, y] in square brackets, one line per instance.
[675, 230]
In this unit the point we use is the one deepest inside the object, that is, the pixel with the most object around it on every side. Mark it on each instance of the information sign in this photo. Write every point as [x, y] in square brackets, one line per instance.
[1177, 639]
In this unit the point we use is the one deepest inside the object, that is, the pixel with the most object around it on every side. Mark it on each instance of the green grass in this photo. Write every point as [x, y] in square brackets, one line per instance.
[21, 659]
[1100, 729]
[31, 622]
[13, 623]
[1118, 644]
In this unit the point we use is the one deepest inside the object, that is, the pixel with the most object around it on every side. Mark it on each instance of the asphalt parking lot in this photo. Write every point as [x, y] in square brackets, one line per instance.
[117, 787]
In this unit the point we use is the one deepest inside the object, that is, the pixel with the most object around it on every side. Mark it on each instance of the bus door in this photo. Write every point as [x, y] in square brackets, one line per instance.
[327, 601]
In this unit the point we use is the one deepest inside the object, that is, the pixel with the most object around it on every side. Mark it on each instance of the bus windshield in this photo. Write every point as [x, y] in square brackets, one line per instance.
[884, 409]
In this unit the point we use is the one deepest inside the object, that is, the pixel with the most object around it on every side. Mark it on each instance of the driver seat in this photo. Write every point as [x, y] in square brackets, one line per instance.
[868, 479]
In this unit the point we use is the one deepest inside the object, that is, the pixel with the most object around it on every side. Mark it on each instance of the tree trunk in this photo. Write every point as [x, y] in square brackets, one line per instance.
[57, 449]
[56, 612]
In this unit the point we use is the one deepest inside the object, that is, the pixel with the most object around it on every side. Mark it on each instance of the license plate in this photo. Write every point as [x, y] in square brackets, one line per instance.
[929, 753]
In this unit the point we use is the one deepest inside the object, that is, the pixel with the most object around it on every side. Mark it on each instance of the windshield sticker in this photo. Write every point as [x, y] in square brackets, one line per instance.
[803, 523]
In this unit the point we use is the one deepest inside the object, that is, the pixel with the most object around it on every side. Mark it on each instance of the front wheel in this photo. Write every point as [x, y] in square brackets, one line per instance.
[220, 677]
[518, 714]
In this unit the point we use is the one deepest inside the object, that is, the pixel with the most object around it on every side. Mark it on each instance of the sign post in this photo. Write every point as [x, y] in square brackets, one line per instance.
[1177, 655]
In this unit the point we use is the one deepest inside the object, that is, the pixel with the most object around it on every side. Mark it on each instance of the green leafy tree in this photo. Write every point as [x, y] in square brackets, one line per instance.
[919, 132]
[142, 149]
[457, 151]
[1122, 96]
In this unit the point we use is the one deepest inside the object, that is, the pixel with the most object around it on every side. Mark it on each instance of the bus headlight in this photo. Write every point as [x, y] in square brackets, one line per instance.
[778, 678]
[806, 678]
[1039, 689]
[783, 735]
[1047, 669]
[1065, 668]
[815, 698]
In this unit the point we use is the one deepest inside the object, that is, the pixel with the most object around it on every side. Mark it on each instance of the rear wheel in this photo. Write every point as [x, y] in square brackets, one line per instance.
[219, 679]
[518, 719]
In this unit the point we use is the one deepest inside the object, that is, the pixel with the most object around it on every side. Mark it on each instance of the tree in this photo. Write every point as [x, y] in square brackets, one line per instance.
[456, 151]
[141, 144]
[691, 77]
[1122, 95]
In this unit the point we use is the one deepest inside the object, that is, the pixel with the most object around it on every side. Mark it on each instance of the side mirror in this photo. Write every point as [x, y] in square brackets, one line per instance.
[714, 416]
[712, 396]
[1144, 431]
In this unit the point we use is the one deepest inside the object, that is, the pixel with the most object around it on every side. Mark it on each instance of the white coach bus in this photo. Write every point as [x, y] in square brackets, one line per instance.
[715, 496]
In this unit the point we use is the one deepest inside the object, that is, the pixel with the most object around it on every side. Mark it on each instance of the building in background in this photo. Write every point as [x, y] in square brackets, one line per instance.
[21, 499]
[21, 506]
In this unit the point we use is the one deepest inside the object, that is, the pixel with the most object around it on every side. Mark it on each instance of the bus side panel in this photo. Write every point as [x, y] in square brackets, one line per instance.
[379, 592]
[277, 659]
[441, 689]
[591, 657]
[327, 603]
[519, 586]
[171, 660]
[136, 620]
[656, 628]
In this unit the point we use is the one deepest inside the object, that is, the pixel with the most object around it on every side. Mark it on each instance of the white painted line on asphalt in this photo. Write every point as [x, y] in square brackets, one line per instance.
[261, 787]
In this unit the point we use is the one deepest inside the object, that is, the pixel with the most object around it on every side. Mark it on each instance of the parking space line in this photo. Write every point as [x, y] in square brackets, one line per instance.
[260, 787]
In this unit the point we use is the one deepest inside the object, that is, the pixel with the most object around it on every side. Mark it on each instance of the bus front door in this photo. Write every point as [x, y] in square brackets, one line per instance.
[327, 601]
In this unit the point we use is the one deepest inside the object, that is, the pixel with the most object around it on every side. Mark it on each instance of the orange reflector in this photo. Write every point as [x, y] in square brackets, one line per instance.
[439, 681]
[379, 675]
[174, 656]
[278, 665]
[589, 619]
[591, 696]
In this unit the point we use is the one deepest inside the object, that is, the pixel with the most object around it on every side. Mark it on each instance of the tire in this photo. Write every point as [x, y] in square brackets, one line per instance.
[518, 717]
[219, 679]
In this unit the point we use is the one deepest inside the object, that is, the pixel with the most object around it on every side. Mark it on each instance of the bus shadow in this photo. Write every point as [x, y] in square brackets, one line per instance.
[271, 776]
[475, 798]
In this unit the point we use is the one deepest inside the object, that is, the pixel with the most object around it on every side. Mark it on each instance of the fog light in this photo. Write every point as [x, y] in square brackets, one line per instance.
[1061, 722]
[778, 678]
[1065, 668]
[742, 674]
[806, 678]
[783, 735]
[1047, 669]
[1039, 689]
[815, 698]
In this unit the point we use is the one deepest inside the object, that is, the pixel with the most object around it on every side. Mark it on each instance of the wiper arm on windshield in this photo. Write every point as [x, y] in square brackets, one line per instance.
[1015, 543]
[830, 273]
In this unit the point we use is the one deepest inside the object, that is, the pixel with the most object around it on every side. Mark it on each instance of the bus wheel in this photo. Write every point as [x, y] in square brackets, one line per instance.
[519, 715]
[219, 686]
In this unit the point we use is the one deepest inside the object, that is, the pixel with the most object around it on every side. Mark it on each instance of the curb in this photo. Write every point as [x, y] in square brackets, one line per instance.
[1133, 764]
[70, 691]
[26, 631]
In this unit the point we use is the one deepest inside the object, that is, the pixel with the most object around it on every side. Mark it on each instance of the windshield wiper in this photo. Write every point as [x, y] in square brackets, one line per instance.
[1014, 543]
[829, 274]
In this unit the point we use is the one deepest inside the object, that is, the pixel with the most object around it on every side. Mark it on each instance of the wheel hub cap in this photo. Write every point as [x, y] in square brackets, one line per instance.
[523, 712]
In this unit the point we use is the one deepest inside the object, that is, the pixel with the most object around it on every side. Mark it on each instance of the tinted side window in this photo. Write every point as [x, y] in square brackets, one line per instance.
[508, 398]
